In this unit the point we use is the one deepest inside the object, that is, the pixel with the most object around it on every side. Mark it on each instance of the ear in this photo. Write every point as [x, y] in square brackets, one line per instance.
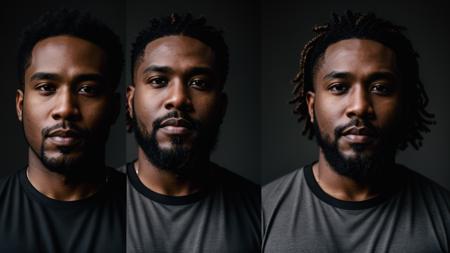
[129, 102]
[19, 104]
[310, 99]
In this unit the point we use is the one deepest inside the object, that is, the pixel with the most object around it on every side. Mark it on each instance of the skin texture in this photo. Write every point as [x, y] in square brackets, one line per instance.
[175, 74]
[355, 80]
[66, 90]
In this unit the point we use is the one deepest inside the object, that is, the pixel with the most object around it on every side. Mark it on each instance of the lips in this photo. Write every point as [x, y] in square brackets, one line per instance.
[65, 137]
[176, 126]
[360, 135]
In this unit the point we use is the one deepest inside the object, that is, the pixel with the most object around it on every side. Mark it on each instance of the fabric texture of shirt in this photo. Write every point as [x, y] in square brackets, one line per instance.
[298, 216]
[225, 217]
[32, 222]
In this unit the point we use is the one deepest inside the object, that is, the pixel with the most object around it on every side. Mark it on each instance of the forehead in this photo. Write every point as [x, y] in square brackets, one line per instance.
[177, 51]
[65, 54]
[357, 55]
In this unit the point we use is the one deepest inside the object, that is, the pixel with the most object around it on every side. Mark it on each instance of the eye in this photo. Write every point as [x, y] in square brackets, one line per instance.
[200, 84]
[338, 88]
[89, 90]
[382, 89]
[158, 82]
[46, 88]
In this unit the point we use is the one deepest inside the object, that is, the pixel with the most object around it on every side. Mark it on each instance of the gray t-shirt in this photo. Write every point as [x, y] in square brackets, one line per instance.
[412, 215]
[224, 218]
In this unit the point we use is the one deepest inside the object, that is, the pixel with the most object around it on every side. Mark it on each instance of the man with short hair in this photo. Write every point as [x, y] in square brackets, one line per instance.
[65, 199]
[359, 92]
[177, 199]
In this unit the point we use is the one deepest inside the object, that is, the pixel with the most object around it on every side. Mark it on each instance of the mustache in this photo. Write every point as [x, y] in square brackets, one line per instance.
[356, 122]
[74, 130]
[194, 124]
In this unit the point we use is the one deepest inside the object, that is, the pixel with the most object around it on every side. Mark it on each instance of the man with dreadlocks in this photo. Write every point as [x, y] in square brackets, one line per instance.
[359, 93]
[177, 200]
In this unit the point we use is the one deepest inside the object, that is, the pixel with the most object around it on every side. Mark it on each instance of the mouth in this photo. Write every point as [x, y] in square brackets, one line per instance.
[65, 137]
[176, 126]
[359, 135]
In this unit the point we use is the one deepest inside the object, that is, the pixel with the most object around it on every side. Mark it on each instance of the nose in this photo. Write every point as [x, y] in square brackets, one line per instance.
[178, 97]
[66, 106]
[360, 104]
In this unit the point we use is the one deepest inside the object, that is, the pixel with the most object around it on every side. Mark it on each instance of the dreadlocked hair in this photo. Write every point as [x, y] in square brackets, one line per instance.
[183, 25]
[366, 26]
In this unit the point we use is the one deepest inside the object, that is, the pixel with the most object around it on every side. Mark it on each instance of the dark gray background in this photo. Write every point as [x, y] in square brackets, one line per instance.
[287, 26]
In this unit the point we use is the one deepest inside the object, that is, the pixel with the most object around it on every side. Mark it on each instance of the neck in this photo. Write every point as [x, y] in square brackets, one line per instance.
[342, 187]
[58, 186]
[164, 181]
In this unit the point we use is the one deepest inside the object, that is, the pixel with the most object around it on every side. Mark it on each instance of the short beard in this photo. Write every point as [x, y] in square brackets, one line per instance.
[177, 159]
[81, 169]
[362, 168]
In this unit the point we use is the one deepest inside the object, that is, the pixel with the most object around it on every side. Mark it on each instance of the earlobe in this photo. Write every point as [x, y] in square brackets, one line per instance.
[129, 101]
[310, 99]
[19, 104]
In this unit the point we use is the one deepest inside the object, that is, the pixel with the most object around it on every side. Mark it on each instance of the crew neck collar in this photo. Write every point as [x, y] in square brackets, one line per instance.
[343, 204]
[161, 198]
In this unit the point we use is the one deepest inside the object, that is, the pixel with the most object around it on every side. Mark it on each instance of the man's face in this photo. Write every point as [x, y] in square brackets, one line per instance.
[356, 104]
[66, 103]
[176, 102]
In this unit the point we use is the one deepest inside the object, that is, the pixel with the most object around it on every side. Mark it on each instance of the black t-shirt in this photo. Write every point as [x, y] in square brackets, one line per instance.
[223, 218]
[412, 215]
[32, 222]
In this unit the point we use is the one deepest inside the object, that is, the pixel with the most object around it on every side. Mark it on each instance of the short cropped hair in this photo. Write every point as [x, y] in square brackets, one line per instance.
[72, 23]
[185, 25]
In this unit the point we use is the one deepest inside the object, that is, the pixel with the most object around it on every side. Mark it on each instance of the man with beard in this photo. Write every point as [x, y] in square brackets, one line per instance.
[359, 92]
[177, 200]
[66, 199]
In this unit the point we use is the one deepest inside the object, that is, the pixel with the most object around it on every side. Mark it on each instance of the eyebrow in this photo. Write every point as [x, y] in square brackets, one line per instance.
[387, 75]
[201, 71]
[89, 77]
[156, 68]
[44, 75]
[190, 72]
[373, 76]
[79, 78]
[337, 74]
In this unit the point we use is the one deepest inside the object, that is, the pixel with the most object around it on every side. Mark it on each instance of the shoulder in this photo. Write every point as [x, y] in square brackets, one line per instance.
[234, 187]
[116, 181]
[231, 180]
[419, 185]
[11, 189]
[283, 192]
[10, 181]
[283, 185]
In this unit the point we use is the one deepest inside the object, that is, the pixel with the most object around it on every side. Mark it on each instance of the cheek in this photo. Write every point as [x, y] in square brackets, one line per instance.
[34, 120]
[96, 114]
[388, 112]
[328, 115]
[207, 109]
[145, 110]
